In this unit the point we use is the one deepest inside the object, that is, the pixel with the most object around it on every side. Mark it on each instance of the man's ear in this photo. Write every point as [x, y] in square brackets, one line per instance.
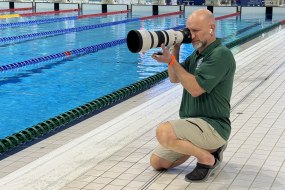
[211, 31]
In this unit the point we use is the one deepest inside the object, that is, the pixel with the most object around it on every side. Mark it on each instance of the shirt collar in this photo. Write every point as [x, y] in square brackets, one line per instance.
[210, 47]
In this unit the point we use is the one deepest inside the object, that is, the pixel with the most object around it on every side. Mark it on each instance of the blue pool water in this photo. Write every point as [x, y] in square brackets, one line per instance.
[32, 94]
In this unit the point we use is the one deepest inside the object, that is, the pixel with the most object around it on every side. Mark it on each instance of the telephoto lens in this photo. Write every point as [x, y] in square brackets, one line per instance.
[143, 40]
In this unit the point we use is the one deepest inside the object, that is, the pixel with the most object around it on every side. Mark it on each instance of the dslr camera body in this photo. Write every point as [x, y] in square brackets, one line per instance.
[143, 40]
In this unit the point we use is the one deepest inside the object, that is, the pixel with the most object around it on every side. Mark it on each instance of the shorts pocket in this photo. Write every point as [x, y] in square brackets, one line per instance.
[195, 125]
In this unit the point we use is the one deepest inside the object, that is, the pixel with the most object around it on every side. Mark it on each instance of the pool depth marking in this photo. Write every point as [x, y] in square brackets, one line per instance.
[10, 16]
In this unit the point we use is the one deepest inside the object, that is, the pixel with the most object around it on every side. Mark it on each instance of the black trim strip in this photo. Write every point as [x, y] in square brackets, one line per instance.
[160, 37]
[167, 38]
[152, 39]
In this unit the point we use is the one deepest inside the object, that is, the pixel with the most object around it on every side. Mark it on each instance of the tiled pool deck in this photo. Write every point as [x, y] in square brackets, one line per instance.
[111, 150]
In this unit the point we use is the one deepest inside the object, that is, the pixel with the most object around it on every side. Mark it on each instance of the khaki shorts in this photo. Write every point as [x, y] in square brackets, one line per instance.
[195, 130]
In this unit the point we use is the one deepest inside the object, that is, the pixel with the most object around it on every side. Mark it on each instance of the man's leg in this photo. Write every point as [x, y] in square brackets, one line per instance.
[168, 139]
[159, 163]
[193, 136]
[184, 137]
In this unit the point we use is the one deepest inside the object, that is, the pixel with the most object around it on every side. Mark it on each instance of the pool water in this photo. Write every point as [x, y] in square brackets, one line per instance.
[35, 93]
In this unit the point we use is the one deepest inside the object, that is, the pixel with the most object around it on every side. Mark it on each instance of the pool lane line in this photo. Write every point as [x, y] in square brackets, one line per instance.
[126, 11]
[51, 20]
[16, 9]
[181, 12]
[73, 10]
[254, 34]
[58, 122]
[61, 55]
[32, 133]
[33, 22]
[241, 31]
[25, 37]
[227, 16]
[82, 28]
[88, 27]
[102, 14]
[83, 51]
[73, 52]
[44, 21]
[76, 52]
[161, 15]
[37, 13]
[48, 12]
[68, 53]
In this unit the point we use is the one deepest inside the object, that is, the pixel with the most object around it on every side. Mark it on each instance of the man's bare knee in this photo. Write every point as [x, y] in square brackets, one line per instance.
[159, 163]
[165, 134]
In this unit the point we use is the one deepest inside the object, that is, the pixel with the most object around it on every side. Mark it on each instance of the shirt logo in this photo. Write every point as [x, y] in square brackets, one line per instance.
[199, 61]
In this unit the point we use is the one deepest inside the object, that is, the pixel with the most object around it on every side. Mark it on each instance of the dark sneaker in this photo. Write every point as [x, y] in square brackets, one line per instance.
[202, 172]
[218, 154]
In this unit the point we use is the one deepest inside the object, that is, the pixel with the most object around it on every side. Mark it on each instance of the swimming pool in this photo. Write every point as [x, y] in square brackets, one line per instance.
[35, 93]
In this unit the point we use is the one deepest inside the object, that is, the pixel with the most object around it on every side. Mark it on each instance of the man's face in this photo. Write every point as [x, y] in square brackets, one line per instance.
[200, 32]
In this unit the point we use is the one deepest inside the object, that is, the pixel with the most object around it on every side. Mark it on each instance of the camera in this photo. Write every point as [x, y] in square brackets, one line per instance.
[143, 40]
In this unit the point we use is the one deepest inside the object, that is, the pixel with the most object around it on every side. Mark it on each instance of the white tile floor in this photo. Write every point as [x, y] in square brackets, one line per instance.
[111, 150]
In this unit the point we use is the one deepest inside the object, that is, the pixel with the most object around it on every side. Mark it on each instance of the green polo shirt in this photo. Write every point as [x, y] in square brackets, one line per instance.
[214, 70]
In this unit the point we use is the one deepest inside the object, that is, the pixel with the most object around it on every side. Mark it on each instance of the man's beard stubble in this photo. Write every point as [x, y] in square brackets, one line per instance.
[198, 46]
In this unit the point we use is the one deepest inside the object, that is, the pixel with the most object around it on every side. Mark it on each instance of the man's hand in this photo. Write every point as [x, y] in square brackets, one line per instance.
[164, 56]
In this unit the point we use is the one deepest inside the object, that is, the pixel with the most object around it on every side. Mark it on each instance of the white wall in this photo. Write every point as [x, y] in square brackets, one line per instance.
[279, 10]
[111, 8]
[252, 12]
[278, 13]
[225, 10]
[92, 7]
[65, 6]
[45, 6]
[190, 9]
[4, 5]
[167, 9]
[140, 8]
[22, 5]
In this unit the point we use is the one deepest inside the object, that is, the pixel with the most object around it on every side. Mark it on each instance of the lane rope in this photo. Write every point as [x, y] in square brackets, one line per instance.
[62, 31]
[161, 15]
[33, 22]
[75, 29]
[227, 16]
[62, 120]
[45, 127]
[51, 20]
[77, 52]
[37, 13]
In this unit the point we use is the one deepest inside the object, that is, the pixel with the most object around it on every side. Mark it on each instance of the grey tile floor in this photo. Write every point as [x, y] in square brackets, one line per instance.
[111, 150]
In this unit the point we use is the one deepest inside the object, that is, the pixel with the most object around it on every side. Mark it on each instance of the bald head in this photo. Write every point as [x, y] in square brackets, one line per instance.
[203, 16]
[201, 24]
